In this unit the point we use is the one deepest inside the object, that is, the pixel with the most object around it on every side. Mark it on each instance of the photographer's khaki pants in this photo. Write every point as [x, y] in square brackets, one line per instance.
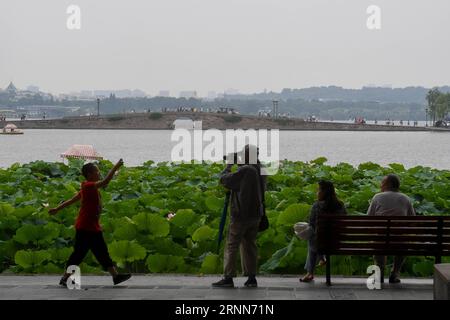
[241, 234]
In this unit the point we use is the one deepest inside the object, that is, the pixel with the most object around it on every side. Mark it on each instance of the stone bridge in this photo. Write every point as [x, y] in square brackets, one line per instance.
[165, 120]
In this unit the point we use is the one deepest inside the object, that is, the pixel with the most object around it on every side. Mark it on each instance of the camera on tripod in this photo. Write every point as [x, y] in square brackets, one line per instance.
[233, 156]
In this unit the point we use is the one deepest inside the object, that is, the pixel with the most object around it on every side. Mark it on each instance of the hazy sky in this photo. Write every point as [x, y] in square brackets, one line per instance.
[218, 44]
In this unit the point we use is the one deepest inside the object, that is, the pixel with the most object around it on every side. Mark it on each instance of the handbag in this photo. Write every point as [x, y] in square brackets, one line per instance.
[303, 230]
[264, 223]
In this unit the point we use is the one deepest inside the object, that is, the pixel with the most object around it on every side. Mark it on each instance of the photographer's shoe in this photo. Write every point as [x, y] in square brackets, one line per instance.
[63, 282]
[121, 277]
[394, 279]
[251, 283]
[224, 283]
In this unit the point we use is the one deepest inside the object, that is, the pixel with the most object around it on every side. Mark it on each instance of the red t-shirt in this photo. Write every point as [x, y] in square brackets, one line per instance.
[91, 207]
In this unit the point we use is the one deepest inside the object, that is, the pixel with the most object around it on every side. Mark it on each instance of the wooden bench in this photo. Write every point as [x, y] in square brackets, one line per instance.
[387, 236]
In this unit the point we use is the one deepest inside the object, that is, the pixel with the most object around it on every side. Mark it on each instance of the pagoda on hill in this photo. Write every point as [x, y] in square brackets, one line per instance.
[11, 88]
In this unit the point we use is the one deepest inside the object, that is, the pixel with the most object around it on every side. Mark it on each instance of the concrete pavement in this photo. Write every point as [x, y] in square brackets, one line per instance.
[179, 287]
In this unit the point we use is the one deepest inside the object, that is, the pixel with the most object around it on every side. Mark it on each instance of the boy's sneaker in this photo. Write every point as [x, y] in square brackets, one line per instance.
[394, 279]
[224, 283]
[121, 277]
[63, 282]
[251, 283]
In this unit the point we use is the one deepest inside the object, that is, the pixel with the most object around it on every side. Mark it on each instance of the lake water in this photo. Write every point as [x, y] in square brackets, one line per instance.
[137, 146]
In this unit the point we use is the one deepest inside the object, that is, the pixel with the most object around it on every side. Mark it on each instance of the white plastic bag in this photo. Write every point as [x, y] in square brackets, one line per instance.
[303, 230]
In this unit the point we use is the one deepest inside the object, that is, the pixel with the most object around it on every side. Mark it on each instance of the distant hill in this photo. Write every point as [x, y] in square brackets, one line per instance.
[369, 94]
[324, 102]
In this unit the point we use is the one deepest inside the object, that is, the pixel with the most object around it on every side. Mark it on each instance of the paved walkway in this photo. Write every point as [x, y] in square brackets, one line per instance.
[168, 287]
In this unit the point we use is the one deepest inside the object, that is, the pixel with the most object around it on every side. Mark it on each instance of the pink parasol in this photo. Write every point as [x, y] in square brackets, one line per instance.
[78, 151]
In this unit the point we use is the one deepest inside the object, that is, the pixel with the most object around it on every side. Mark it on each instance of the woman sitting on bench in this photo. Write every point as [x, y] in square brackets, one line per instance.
[327, 203]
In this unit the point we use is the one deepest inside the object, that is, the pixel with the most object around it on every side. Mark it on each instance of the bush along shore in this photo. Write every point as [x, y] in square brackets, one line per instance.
[142, 239]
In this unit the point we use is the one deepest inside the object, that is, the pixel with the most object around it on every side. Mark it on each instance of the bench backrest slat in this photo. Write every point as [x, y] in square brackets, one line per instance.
[367, 235]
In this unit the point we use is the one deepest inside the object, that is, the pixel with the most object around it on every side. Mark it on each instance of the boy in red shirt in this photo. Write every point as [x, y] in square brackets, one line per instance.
[89, 235]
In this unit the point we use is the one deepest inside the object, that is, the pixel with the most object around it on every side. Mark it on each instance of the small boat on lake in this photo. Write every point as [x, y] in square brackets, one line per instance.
[11, 129]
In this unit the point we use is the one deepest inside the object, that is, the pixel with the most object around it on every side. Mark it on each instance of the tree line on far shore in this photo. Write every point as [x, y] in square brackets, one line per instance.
[297, 103]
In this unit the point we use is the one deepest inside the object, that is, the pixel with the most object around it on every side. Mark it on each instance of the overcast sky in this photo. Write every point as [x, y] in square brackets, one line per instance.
[208, 45]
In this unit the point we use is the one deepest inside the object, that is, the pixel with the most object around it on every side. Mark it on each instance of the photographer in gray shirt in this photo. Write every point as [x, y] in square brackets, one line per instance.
[247, 187]
[391, 202]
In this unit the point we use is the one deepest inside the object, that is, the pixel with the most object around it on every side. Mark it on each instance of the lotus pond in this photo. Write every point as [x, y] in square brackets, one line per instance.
[141, 239]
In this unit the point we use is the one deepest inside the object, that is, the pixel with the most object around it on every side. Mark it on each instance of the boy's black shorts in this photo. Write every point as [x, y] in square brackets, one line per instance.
[90, 240]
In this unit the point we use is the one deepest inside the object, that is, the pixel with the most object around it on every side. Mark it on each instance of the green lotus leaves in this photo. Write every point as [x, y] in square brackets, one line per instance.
[185, 222]
[61, 254]
[369, 166]
[214, 204]
[49, 268]
[293, 214]
[7, 250]
[89, 269]
[121, 208]
[319, 161]
[137, 201]
[9, 222]
[184, 218]
[158, 263]
[204, 233]
[211, 264]
[397, 167]
[288, 259]
[155, 225]
[125, 231]
[424, 268]
[166, 246]
[6, 209]
[37, 234]
[29, 259]
[124, 251]
[67, 232]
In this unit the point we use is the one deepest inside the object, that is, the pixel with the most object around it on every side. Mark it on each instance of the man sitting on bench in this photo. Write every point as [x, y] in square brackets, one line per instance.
[391, 202]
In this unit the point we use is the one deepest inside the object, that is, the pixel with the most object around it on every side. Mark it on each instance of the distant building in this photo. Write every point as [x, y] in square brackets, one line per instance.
[212, 95]
[86, 94]
[16, 94]
[164, 93]
[138, 93]
[231, 92]
[188, 94]
[374, 86]
[65, 96]
[32, 88]
[126, 93]
[102, 93]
